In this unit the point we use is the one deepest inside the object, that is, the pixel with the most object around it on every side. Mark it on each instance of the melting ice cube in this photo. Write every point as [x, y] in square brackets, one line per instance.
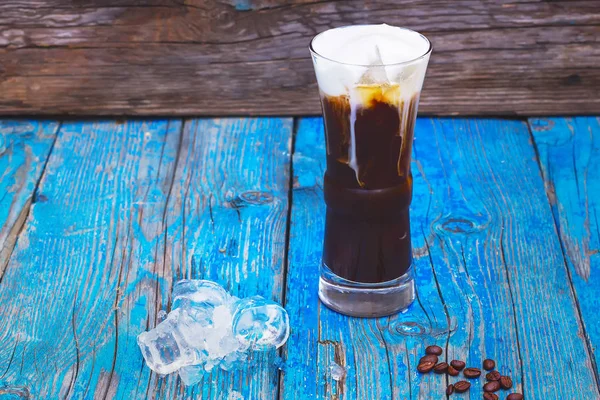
[208, 327]
[375, 73]
[260, 323]
[191, 374]
[337, 372]
[165, 349]
[199, 293]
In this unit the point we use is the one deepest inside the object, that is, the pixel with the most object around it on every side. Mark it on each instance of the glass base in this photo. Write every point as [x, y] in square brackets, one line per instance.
[366, 299]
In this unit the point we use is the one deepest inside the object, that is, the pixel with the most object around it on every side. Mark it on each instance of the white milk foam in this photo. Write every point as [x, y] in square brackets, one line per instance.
[344, 55]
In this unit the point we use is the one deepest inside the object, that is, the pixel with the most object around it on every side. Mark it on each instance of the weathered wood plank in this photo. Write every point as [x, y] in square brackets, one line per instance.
[24, 149]
[490, 274]
[128, 209]
[73, 266]
[569, 155]
[229, 206]
[250, 57]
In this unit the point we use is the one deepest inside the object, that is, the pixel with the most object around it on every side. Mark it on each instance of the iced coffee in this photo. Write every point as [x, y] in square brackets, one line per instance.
[370, 79]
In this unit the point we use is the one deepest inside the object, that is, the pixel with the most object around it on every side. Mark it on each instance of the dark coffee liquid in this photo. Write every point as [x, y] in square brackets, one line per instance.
[368, 184]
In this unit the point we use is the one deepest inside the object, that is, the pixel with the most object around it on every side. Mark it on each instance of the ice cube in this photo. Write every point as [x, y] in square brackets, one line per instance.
[260, 324]
[337, 372]
[375, 73]
[192, 374]
[165, 349]
[233, 360]
[194, 324]
[210, 364]
[199, 293]
[220, 341]
[208, 328]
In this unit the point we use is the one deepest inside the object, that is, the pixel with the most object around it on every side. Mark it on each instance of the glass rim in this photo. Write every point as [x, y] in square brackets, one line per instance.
[427, 52]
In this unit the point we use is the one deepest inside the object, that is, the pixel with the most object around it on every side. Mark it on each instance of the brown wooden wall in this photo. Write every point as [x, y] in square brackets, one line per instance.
[247, 57]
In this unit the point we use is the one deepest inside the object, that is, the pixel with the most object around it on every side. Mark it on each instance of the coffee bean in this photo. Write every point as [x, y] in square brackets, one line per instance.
[430, 357]
[506, 382]
[440, 368]
[425, 367]
[435, 350]
[514, 396]
[490, 396]
[489, 365]
[472, 373]
[449, 389]
[452, 371]
[457, 364]
[462, 386]
[493, 376]
[492, 386]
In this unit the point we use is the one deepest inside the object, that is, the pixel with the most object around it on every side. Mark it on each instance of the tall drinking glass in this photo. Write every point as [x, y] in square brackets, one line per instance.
[370, 79]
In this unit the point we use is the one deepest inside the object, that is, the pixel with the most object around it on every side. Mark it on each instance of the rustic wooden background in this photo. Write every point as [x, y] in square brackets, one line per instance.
[245, 57]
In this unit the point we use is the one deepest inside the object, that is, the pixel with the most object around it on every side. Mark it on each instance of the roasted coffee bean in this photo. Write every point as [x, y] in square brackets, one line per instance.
[436, 350]
[449, 389]
[493, 376]
[489, 365]
[425, 367]
[514, 396]
[452, 371]
[457, 364]
[491, 386]
[441, 368]
[506, 382]
[462, 386]
[490, 396]
[472, 373]
[430, 357]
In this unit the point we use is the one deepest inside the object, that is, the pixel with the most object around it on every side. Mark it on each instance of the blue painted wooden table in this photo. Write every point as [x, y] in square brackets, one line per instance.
[99, 219]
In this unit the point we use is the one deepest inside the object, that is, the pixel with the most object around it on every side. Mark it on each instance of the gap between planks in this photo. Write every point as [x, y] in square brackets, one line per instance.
[288, 225]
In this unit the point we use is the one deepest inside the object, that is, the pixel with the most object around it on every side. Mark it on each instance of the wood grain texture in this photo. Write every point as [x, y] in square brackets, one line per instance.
[128, 209]
[24, 149]
[490, 274]
[569, 154]
[233, 57]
